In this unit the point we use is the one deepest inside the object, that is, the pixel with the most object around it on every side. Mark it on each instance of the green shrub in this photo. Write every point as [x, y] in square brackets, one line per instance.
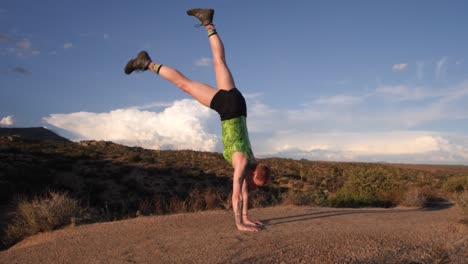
[43, 213]
[365, 187]
[456, 184]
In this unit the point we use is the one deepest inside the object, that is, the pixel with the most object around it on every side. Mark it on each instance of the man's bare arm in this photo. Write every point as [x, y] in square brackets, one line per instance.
[245, 207]
[239, 163]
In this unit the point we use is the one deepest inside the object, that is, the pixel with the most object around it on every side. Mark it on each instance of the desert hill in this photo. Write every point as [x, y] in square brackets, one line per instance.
[115, 181]
[101, 172]
[32, 133]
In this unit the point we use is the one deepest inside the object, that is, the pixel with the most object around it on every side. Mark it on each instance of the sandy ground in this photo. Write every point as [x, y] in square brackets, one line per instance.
[291, 235]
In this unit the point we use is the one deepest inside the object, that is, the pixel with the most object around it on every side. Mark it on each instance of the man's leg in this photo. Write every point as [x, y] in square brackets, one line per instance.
[203, 93]
[224, 79]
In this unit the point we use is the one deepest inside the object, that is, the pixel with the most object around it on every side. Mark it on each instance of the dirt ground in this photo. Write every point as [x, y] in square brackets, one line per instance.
[291, 235]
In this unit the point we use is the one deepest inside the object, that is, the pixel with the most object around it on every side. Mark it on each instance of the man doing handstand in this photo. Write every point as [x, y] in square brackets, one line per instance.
[230, 105]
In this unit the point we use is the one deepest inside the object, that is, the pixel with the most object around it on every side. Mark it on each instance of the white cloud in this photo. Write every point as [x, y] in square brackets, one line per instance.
[441, 68]
[67, 45]
[205, 61]
[151, 105]
[400, 67]
[7, 121]
[405, 92]
[393, 143]
[183, 125]
[394, 146]
[343, 100]
[355, 133]
[392, 132]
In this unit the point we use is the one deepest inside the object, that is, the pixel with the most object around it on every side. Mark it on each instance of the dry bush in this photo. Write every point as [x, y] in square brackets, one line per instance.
[177, 205]
[227, 202]
[159, 205]
[43, 213]
[258, 198]
[145, 207]
[419, 197]
[212, 199]
[393, 196]
[461, 199]
[195, 201]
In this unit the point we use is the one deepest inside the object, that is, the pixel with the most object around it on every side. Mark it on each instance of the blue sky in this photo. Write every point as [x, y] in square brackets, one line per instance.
[325, 80]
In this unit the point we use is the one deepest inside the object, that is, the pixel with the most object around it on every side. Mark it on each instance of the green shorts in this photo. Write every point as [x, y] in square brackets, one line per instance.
[236, 138]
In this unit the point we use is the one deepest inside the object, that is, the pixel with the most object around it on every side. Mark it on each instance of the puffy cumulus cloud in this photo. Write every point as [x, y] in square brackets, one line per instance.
[7, 121]
[323, 131]
[204, 62]
[400, 67]
[319, 130]
[396, 146]
[183, 125]
[365, 143]
[393, 143]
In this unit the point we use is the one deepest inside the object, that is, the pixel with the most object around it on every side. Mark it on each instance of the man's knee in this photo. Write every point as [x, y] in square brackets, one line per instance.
[219, 61]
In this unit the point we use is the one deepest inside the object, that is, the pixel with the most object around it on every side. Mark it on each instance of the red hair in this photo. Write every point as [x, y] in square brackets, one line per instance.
[262, 175]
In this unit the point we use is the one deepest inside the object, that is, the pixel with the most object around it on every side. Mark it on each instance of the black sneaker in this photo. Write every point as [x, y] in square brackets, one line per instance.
[140, 63]
[204, 15]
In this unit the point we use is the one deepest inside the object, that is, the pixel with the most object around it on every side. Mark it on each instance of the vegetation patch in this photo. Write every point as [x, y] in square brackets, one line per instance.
[366, 187]
[456, 184]
[43, 213]
[461, 200]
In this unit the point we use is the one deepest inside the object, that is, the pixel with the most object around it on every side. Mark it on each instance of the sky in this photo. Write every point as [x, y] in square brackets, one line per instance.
[373, 81]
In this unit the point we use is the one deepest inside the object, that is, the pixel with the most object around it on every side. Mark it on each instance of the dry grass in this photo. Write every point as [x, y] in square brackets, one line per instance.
[43, 213]
[461, 200]
[456, 184]
[419, 197]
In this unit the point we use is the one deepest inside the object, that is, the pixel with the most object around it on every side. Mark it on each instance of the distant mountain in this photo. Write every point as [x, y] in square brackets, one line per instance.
[33, 133]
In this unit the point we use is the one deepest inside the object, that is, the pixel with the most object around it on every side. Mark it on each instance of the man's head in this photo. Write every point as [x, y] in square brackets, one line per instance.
[261, 175]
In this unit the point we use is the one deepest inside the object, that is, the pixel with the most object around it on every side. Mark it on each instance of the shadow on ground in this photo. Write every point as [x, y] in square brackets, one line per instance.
[315, 215]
